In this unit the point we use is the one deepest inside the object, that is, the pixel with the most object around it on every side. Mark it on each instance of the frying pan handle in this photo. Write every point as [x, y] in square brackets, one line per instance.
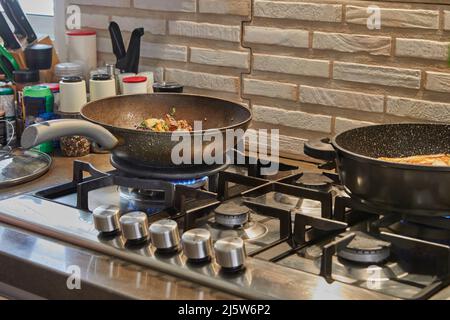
[50, 130]
[321, 149]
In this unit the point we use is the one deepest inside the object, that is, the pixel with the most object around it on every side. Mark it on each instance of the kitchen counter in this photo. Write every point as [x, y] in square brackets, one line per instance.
[33, 266]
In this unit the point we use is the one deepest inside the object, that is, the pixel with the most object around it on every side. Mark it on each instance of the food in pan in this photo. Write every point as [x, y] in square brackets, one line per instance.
[437, 160]
[166, 124]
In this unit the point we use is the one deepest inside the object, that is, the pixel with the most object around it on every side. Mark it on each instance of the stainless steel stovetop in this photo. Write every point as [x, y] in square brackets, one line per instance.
[302, 239]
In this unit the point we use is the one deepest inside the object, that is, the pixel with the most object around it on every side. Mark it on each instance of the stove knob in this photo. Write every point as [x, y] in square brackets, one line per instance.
[230, 253]
[197, 245]
[165, 236]
[106, 219]
[134, 226]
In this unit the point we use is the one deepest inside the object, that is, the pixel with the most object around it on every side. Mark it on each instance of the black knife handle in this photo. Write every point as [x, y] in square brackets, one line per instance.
[18, 29]
[117, 41]
[21, 19]
[9, 39]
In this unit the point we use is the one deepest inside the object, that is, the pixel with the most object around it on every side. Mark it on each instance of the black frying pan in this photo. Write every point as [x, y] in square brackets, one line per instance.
[112, 122]
[386, 187]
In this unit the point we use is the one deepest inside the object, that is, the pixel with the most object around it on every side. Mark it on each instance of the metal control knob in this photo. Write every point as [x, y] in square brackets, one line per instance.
[197, 245]
[106, 219]
[134, 226]
[230, 253]
[164, 235]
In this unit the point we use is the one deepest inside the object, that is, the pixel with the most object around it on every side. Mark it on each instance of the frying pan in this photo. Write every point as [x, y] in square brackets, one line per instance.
[385, 187]
[112, 122]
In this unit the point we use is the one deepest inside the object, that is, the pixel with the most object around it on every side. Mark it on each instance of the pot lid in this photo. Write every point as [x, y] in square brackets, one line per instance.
[22, 166]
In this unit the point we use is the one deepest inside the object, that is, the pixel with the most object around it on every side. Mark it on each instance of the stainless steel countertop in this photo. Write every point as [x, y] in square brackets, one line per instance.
[40, 265]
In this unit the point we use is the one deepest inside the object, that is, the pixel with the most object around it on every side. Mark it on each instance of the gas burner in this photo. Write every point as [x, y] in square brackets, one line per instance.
[366, 249]
[231, 214]
[233, 219]
[250, 231]
[316, 181]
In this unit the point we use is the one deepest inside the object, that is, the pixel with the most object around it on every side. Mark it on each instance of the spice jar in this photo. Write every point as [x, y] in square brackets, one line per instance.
[23, 78]
[135, 85]
[38, 104]
[102, 86]
[73, 94]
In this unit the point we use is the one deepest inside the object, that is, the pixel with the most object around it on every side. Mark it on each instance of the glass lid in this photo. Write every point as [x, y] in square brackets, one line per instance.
[20, 166]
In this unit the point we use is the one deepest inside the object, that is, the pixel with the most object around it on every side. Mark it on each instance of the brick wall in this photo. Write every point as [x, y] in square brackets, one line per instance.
[310, 68]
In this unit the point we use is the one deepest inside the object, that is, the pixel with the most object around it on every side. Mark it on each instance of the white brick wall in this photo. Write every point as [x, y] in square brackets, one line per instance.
[291, 65]
[342, 99]
[271, 89]
[438, 81]
[419, 109]
[343, 124]
[399, 18]
[276, 36]
[172, 5]
[203, 80]
[316, 65]
[151, 25]
[375, 74]
[205, 30]
[295, 119]
[225, 58]
[375, 45]
[425, 49]
[298, 10]
[105, 3]
[164, 51]
[233, 7]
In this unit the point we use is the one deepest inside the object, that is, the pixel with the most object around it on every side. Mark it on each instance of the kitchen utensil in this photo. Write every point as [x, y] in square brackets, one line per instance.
[112, 123]
[9, 39]
[7, 63]
[22, 166]
[135, 85]
[82, 48]
[39, 56]
[102, 86]
[385, 187]
[19, 20]
[72, 94]
[127, 61]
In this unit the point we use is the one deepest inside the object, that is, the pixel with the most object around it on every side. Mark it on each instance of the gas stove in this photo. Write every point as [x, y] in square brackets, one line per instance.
[297, 235]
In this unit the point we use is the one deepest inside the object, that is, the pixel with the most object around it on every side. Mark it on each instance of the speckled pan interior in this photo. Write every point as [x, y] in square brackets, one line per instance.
[396, 140]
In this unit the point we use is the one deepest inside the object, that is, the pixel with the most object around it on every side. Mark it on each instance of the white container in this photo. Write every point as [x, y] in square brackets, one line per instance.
[82, 48]
[150, 80]
[135, 85]
[72, 94]
[102, 86]
[123, 76]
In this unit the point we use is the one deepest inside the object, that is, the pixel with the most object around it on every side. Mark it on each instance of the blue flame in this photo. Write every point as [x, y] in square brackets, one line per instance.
[189, 182]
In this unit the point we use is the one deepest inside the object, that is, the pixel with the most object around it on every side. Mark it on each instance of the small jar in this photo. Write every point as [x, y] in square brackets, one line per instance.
[102, 86]
[135, 85]
[72, 94]
[82, 48]
[68, 69]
